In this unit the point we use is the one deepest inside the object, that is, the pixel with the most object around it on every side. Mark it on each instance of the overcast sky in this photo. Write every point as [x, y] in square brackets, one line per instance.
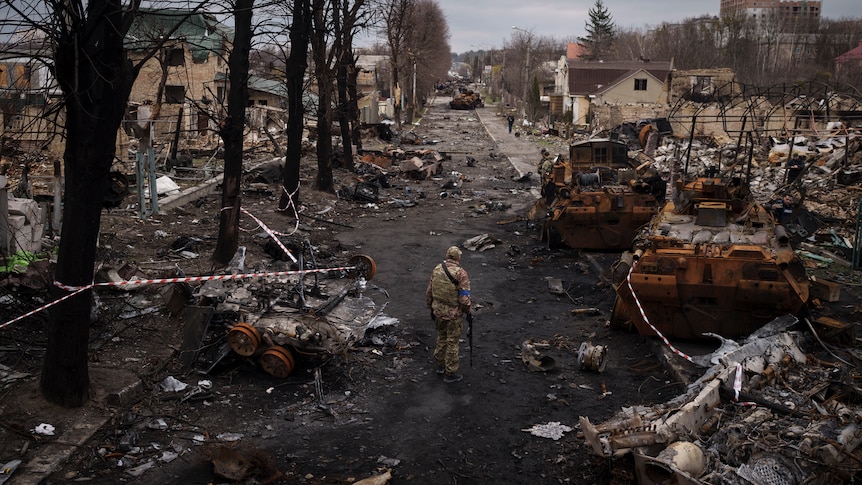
[483, 24]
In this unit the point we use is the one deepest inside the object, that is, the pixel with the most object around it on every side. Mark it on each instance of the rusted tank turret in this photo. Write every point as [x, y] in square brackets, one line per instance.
[712, 260]
[597, 199]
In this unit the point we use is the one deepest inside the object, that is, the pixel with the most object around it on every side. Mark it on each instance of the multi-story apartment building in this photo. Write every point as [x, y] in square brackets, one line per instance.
[793, 15]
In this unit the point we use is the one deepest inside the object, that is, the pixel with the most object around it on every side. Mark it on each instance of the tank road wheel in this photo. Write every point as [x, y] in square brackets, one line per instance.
[363, 266]
[277, 361]
[243, 339]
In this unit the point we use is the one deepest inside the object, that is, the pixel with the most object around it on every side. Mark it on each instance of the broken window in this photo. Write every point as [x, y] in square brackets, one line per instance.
[640, 84]
[702, 84]
[175, 57]
[175, 94]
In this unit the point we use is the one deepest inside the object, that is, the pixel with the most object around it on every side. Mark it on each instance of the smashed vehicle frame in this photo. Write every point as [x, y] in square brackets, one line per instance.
[309, 313]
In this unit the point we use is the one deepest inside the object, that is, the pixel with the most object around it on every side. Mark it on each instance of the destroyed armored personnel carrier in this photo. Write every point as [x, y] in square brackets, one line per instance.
[466, 99]
[598, 199]
[308, 314]
[712, 261]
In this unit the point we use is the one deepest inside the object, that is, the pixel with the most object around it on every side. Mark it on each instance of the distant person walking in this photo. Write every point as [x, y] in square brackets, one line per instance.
[448, 297]
[511, 120]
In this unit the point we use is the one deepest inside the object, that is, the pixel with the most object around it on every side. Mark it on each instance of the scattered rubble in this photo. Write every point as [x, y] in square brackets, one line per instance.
[780, 407]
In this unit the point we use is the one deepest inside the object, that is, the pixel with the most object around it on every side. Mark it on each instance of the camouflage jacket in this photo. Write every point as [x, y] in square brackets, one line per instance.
[443, 297]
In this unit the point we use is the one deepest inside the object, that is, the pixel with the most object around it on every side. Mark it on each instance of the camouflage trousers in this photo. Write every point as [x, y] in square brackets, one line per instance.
[446, 351]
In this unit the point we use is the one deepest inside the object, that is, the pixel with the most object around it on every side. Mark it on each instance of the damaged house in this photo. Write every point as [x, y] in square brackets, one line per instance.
[372, 87]
[608, 93]
[28, 96]
[177, 84]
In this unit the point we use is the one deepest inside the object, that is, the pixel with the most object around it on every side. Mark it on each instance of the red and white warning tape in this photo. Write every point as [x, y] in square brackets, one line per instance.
[737, 382]
[271, 234]
[646, 319]
[737, 387]
[74, 290]
[43, 307]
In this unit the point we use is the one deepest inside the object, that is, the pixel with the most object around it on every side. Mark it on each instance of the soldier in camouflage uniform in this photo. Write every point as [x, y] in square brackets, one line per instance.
[448, 300]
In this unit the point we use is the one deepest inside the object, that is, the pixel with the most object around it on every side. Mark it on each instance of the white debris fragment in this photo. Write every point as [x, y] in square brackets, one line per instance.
[140, 469]
[390, 462]
[382, 321]
[553, 430]
[172, 384]
[44, 429]
[229, 436]
[168, 456]
[158, 423]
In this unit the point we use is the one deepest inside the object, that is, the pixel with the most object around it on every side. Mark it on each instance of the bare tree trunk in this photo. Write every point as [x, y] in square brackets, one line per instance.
[96, 78]
[323, 72]
[231, 132]
[344, 114]
[353, 94]
[297, 64]
[324, 182]
[396, 97]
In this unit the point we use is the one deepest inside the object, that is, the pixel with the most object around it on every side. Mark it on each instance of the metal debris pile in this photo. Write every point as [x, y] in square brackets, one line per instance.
[781, 407]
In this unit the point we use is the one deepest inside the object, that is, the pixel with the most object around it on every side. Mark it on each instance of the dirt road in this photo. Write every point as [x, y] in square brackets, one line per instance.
[381, 406]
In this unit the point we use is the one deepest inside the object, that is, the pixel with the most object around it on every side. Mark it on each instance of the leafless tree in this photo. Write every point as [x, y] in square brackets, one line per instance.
[426, 52]
[95, 74]
[231, 132]
[353, 16]
[295, 68]
[322, 37]
[396, 28]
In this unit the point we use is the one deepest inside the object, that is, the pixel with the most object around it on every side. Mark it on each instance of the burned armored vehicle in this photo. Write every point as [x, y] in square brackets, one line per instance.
[466, 99]
[598, 199]
[280, 318]
[711, 261]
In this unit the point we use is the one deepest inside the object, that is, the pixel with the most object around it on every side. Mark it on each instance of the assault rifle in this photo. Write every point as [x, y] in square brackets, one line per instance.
[470, 335]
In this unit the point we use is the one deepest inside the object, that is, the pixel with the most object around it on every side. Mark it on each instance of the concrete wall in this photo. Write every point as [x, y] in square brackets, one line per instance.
[609, 116]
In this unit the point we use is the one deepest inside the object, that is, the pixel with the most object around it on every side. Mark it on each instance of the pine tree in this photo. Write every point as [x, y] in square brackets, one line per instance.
[601, 33]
